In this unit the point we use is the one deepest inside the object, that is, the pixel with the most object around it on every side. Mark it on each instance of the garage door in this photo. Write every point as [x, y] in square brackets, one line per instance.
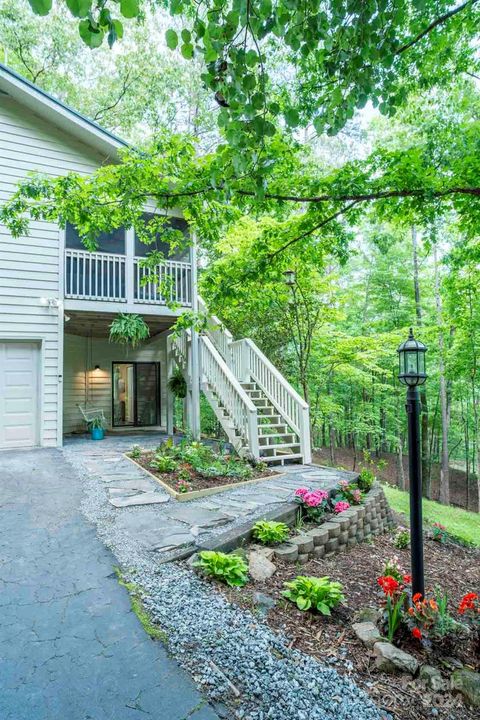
[18, 394]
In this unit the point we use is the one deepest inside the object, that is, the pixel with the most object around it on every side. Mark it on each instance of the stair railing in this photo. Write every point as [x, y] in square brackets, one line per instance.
[218, 333]
[249, 363]
[221, 380]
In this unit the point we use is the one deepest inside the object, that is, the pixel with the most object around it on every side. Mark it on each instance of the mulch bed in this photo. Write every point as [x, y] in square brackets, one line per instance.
[197, 481]
[455, 569]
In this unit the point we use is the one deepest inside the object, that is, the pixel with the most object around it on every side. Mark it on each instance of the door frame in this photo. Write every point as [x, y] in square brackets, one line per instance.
[158, 405]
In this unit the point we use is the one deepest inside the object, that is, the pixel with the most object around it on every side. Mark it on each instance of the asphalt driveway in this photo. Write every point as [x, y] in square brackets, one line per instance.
[70, 646]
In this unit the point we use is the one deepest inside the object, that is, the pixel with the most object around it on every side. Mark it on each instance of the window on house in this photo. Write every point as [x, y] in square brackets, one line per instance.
[111, 242]
[142, 249]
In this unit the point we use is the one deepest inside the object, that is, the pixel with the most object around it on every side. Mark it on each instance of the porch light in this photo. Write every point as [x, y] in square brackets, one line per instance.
[97, 367]
[411, 356]
[290, 277]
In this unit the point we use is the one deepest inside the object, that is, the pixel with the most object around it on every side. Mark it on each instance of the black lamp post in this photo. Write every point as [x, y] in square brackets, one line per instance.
[412, 373]
[290, 278]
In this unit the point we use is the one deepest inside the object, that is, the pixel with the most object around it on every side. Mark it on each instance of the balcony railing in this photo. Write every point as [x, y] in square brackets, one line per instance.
[94, 276]
[173, 274]
[108, 277]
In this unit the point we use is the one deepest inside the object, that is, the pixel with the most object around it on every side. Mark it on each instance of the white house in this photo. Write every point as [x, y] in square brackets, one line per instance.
[57, 301]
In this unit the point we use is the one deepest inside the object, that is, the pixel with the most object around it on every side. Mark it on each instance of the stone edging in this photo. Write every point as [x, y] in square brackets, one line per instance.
[342, 531]
[195, 494]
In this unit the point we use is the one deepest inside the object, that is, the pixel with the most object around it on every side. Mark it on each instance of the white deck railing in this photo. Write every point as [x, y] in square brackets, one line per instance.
[174, 276]
[218, 333]
[103, 276]
[230, 394]
[94, 276]
[248, 362]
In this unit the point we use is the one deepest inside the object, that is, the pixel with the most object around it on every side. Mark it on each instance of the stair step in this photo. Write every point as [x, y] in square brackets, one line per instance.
[288, 438]
[280, 446]
[267, 426]
[249, 386]
[280, 459]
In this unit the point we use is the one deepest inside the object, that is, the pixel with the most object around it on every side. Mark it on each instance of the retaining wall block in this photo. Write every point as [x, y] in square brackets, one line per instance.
[333, 529]
[319, 535]
[303, 542]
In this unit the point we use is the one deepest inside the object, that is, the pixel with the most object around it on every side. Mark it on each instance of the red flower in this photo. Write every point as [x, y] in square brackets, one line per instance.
[388, 584]
[468, 602]
[407, 579]
[417, 633]
[417, 597]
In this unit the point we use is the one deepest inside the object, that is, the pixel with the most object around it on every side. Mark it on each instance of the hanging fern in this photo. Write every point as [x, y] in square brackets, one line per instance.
[177, 384]
[129, 329]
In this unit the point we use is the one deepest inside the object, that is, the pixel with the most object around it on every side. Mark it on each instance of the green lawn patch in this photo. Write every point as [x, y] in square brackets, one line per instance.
[465, 525]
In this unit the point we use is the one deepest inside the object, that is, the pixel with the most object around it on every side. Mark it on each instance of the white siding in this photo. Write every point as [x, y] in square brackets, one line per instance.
[93, 388]
[29, 266]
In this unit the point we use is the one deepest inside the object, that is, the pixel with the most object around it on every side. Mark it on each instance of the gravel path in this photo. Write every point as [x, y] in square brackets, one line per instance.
[231, 654]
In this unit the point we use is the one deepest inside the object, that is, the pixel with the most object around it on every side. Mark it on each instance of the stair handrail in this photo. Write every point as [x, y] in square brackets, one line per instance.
[231, 394]
[250, 363]
[220, 336]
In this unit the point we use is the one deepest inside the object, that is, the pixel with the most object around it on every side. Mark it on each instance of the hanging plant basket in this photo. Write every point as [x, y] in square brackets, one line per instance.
[129, 329]
[177, 384]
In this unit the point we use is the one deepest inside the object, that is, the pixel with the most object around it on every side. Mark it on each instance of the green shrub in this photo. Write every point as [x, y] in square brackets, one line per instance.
[402, 538]
[270, 532]
[135, 452]
[365, 480]
[164, 464]
[320, 594]
[230, 569]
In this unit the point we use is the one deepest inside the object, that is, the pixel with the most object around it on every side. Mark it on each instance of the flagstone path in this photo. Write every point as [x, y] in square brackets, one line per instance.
[140, 507]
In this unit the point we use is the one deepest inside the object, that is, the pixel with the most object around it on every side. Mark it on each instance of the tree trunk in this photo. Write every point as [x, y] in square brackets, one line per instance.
[444, 490]
[423, 392]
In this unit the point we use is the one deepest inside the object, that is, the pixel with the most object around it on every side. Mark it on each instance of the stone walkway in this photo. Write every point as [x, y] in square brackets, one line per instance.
[138, 507]
[70, 646]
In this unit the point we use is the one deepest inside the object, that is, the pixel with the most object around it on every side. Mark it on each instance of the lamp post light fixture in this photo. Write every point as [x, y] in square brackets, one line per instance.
[412, 373]
[290, 278]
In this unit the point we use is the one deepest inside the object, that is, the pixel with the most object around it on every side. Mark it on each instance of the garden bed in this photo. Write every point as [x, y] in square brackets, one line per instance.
[331, 639]
[189, 470]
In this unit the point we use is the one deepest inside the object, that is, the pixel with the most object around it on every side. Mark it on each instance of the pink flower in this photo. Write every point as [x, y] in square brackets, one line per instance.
[357, 495]
[341, 506]
[301, 492]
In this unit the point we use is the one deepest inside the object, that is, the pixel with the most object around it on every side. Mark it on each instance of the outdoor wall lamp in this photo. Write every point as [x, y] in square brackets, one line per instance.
[412, 373]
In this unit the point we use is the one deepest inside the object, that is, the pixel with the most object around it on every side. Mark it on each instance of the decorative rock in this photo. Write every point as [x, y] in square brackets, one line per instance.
[287, 551]
[319, 551]
[342, 521]
[368, 614]
[303, 542]
[263, 602]
[367, 632]
[432, 678]
[302, 558]
[267, 552]
[391, 659]
[143, 498]
[319, 535]
[467, 682]
[259, 567]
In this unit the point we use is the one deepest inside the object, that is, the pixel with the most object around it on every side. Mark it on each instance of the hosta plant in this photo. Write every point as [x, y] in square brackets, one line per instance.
[270, 532]
[230, 569]
[164, 464]
[321, 594]
[136, 451]
[402, 538]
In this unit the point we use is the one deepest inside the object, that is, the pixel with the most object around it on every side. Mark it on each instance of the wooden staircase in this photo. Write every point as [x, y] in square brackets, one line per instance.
[262, 415]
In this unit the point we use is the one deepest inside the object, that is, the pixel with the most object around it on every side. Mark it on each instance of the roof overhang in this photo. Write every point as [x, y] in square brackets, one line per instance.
[57, 113]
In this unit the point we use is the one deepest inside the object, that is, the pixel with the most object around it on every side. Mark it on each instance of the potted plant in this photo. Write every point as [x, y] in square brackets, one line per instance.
[97, 428]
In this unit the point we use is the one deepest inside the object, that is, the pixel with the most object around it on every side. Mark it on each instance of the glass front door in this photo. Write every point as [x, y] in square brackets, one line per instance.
[135, 394]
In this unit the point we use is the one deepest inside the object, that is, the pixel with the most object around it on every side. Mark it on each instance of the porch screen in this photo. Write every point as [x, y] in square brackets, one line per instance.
[183, 254]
